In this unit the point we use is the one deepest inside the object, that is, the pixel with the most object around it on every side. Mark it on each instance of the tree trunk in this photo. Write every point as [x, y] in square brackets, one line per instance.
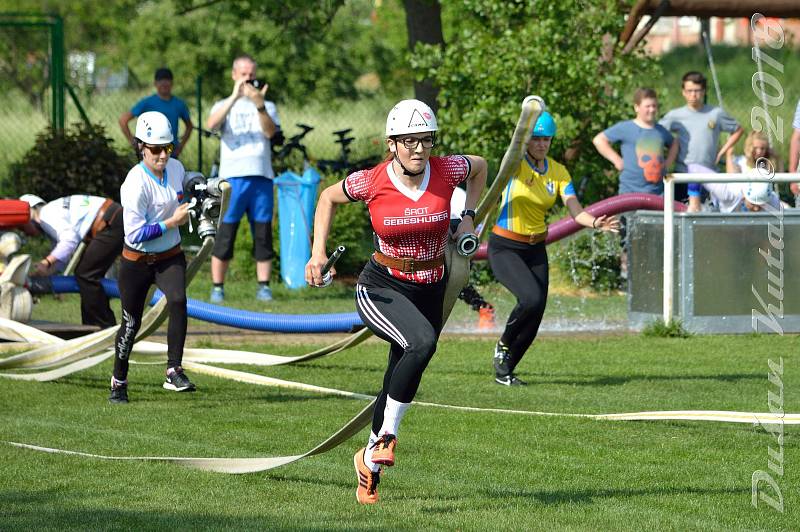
[424, 23]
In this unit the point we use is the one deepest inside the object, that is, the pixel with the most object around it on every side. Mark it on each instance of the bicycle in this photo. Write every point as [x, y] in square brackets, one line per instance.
[343, 163]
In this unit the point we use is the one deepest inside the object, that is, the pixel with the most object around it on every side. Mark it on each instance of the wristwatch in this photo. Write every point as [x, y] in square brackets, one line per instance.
[468, 212]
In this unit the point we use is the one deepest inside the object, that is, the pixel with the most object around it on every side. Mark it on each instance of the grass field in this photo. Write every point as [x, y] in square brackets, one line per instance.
[456, 470]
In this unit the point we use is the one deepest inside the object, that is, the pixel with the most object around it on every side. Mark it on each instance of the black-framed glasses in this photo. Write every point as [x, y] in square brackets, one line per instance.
[411, 143]
[157, 149]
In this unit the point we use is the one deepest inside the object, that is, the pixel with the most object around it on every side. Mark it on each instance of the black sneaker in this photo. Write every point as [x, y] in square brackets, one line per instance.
[178, 382]
[119, 394]
[502, 360]
[509, 380]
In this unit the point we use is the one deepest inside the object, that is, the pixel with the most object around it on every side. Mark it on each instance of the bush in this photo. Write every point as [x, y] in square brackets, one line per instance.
[658, 329]
[80, 160]
[480, 273]
[590, 260]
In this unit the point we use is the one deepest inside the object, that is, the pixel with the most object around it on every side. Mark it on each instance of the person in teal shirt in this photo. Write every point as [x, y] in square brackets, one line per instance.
[165, 103]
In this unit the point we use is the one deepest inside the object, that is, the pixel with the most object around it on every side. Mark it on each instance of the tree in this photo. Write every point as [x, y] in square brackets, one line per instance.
[424, 23]
[499, 51]
[306, 50]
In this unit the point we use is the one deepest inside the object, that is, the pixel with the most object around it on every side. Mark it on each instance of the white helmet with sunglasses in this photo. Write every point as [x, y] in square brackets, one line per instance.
[154, 128]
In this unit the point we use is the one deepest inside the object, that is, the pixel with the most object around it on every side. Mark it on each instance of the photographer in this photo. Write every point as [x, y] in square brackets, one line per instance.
[247, 122]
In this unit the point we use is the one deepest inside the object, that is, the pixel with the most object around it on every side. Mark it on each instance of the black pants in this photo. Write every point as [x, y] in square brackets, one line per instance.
[99, 255]
[407, 315]
[135, 279]
[523, 269]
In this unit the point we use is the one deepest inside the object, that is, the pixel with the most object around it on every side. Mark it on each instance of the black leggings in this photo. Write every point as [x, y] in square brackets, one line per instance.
[523, 269]
[407, 315]
[135, 278]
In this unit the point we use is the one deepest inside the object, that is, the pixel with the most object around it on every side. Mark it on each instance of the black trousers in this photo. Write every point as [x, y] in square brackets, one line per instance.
[135, 279]
[407, 315]
[524, 270]
[99, 255]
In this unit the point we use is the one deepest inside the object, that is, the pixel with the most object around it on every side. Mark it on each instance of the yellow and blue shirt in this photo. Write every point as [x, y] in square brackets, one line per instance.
[530, 193]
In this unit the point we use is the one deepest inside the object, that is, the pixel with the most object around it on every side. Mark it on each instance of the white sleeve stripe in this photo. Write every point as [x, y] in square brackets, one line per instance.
[378, 320]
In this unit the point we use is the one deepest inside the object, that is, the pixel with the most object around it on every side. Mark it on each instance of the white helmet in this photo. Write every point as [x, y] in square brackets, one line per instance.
[410, 116]
[32, 199]
[153, 127]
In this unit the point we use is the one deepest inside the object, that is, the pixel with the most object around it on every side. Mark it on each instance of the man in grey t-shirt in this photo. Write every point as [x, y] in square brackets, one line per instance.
[698, 127]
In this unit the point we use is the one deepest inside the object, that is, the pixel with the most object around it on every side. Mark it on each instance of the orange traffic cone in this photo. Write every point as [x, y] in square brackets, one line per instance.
[486, 319]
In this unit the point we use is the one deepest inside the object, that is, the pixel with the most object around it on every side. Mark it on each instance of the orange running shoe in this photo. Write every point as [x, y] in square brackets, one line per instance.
[367, 491]
[384, 450]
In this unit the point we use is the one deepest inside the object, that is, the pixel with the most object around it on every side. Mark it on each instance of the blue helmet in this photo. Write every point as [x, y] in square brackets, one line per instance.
[545, 126]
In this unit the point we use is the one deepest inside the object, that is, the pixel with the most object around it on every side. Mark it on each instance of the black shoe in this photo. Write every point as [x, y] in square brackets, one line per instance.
[509, 380]
[502, 360]
[178, 382]
[119, 394]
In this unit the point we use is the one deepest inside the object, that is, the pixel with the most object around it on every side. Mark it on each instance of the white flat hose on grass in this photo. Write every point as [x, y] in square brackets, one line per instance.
[230, 356]
[62, 371]
[362, 419]
[236, 465]
[15, 331]
[158, 351]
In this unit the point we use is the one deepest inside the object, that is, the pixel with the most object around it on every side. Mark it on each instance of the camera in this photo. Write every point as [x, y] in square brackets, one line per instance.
[205, 200]
[256, 83]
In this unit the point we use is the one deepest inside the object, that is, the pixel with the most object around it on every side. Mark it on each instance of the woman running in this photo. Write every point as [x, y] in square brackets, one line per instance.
[152, 212]
[517, 251]
[400, 292]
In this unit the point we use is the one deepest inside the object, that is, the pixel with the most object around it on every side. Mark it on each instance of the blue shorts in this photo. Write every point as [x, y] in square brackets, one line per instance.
[253, 195]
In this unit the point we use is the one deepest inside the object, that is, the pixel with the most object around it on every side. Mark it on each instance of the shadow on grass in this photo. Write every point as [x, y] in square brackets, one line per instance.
[208, 395]
[46, 511]
[589, 496]
[533, 377]
[618, 380]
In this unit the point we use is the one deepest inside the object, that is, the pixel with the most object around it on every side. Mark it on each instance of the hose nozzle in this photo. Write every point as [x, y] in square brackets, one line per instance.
[327, 278]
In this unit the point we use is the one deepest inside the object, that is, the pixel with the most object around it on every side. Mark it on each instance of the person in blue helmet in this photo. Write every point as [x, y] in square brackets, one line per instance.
[517, 253]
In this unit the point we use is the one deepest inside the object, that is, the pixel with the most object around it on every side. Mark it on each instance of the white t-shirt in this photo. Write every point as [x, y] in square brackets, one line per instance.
[67, 220]
[147, 202]
[244, 150]
[729, 197]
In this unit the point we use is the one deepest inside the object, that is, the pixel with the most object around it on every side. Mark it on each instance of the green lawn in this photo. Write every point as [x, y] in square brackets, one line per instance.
[456, 470]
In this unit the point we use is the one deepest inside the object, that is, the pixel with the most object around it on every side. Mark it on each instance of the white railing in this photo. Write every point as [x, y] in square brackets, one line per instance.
[669, 215]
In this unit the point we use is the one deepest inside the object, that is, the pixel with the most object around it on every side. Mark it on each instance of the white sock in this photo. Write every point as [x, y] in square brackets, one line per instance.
[392, 415]
[368, 453]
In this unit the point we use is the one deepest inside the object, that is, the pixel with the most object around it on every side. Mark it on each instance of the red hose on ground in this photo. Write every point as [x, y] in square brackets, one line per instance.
[609, 207]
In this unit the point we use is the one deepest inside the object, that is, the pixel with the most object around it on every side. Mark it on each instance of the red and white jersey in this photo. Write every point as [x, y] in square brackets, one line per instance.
[410, 223]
